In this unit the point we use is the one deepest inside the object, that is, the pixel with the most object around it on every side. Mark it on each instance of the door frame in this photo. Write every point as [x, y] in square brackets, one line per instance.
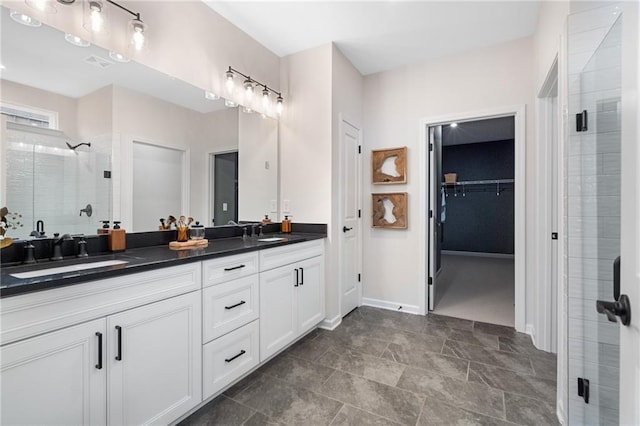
[344, 119]
[210, 176]
[519, 114]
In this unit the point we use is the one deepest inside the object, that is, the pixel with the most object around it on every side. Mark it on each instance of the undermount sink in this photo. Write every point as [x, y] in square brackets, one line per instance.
[271, 239]
[69, 268]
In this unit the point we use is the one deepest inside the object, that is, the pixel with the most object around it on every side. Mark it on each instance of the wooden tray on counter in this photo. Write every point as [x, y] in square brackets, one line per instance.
[188, 245]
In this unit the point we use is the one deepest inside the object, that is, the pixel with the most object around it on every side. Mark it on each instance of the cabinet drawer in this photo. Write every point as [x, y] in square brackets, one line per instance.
[216, 271]
[229, 305]
[229, 357]
[291, 253]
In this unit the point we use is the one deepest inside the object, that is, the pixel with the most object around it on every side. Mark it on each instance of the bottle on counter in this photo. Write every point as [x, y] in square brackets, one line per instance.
[285, 227]
[266, 219]
[117, 238]
[105, 228]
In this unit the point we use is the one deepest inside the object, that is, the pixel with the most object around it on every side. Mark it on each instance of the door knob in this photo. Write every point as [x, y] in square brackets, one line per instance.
[345, 229]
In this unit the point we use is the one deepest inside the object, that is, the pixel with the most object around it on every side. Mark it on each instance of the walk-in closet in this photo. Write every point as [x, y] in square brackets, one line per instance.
[475, 221]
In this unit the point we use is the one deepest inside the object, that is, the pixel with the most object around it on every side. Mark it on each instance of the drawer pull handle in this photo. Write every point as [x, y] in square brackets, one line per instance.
[99, 364]
[234, 268]
[242, 302]
[242, 352]
[297, 278]
[119, 330]
[301, 276]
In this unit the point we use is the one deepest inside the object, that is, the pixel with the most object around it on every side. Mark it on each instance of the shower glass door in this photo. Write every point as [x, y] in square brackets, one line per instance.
[593, 212]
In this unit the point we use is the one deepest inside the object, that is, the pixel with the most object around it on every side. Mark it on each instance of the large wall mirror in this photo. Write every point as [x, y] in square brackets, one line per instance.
[155, 142]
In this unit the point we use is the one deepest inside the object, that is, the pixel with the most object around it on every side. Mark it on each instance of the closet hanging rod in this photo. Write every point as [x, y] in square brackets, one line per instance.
[479, 182]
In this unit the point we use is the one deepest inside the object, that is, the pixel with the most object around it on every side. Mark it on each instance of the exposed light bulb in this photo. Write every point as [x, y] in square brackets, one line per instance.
[279, 102]
[453, 125]
[45, 6]
[265, 98]
[97, 20]
[75, 40]
[138, 39]
[229, 82]
[211, 96]
[23, 19]
[248, 89]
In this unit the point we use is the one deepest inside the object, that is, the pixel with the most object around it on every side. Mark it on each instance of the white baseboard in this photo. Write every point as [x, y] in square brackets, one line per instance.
[331, 324]
[478, 254]
[531, 331]
[392, 306]
[560, 413]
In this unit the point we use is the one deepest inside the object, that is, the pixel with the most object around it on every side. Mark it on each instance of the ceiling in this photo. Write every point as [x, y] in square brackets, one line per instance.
[488, 130]
[381, 35]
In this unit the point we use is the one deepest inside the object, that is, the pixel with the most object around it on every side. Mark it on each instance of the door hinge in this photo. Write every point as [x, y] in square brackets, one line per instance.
[430, 280]
[430, 214]
[359, 213]
[430, 147]
[581, 121]
[583, 389]
[359, 149]
[359, 277]
[554, 235]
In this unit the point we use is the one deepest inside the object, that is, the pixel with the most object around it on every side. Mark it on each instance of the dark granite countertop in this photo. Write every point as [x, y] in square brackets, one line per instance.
[138, 260]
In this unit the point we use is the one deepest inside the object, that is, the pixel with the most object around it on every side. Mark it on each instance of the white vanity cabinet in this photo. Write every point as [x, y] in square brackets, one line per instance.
[135, 366]
[55, 379]
[291, 294]
[231, 311]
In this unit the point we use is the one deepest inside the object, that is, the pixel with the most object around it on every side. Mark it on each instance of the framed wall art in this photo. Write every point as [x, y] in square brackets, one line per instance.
[389, 210]
[389, 165]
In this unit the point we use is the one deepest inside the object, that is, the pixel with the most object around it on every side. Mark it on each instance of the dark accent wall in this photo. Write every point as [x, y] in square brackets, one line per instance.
[480, 221]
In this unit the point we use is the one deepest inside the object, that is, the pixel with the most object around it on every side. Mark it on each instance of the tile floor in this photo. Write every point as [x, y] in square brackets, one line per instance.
[381, 367]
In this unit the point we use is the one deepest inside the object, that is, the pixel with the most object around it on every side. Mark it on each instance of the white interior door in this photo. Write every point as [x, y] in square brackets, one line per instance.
[435, 211]
[350, 258]
[630, 214]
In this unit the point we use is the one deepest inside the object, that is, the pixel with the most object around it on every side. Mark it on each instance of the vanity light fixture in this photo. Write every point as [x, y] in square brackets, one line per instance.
[249, 84]
[75, 40]
[95, 16]
[136, 31]
[23, 19]
[118, 57]
[211, 96]
[45, 6]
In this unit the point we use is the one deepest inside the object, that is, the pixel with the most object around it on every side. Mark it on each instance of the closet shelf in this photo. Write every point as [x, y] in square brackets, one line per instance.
[479, 182]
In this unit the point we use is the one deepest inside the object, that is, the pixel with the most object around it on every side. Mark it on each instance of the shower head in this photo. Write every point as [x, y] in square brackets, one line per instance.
[73, 147]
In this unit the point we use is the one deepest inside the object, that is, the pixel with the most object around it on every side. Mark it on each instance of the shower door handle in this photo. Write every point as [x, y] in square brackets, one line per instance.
[621, 307]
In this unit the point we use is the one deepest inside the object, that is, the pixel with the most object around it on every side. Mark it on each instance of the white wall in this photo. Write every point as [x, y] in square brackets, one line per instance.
[257, 166]
[22, 95]
[305, 135]
[394, 103]
[347, 85]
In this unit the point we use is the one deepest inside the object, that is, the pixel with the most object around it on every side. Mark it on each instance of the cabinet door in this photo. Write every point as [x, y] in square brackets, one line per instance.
[155, 356]
[278, 325]
[56, 378]
[310, 293]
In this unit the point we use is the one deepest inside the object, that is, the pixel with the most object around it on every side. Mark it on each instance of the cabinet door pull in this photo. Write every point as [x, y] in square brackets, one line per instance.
[234, 268]
[242, 302]
[242, 352]
[99, 364]
[301, 276]
[297, 278]
[119, 330]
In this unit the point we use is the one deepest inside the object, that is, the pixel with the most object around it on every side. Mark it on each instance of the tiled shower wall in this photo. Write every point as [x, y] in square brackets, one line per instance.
[47, 181]
[593, 222]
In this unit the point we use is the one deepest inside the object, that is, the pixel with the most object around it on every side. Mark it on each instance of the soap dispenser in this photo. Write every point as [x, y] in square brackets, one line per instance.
[105, 227]
[117, 237]
[285, 227]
